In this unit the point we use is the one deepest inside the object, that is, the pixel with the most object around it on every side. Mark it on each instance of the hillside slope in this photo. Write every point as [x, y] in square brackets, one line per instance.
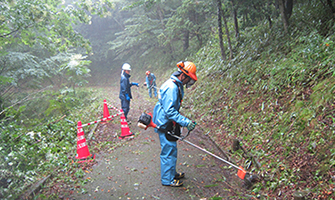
[277, 98]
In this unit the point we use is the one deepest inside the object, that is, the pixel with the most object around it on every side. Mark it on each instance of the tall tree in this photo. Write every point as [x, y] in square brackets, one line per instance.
[234, 13]
[285, 7]
[162, 29]
[219, 14]
[228, 36]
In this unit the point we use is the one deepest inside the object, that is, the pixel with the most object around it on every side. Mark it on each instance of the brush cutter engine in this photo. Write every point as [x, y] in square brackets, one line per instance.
[145, 121]
[172, 134]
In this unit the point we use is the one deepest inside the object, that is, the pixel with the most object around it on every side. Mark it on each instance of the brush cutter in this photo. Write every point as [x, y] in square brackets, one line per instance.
[152, 86]
[145, 121]
[236, 146]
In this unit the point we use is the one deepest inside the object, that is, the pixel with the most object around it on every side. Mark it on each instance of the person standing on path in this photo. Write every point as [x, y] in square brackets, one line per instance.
[166, 115]
[151, 83]
[125, 91]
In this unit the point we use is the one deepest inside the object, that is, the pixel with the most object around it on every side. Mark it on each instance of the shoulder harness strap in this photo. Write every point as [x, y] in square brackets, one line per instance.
[179, 91]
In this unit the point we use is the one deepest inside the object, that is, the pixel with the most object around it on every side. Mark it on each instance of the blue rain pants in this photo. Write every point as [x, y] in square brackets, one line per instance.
[168, 158]
[125, 105]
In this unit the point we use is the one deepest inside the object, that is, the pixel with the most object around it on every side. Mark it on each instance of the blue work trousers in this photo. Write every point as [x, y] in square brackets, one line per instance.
[168, 159]
[150, 90]
[125, 105]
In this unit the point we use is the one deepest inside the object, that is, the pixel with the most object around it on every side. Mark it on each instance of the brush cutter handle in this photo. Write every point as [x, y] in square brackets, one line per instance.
[184, 136]
[181, 137]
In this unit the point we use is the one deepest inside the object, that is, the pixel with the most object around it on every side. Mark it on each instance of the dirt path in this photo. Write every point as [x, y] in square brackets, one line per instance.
[131, 170]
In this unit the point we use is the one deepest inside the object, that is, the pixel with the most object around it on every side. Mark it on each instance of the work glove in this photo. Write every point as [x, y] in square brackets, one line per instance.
[136, 84]
[127, 97]
[191, 126]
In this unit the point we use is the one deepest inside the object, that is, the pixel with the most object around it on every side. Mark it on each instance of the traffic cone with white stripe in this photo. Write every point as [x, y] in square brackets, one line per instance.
[106, 115]
[82, 148]
[125, 132]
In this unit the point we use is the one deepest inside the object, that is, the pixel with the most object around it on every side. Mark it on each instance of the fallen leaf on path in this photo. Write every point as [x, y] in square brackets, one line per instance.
[214, 185]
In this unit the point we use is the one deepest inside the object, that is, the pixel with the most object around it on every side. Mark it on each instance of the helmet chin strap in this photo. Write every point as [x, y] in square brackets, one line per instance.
[185, 77]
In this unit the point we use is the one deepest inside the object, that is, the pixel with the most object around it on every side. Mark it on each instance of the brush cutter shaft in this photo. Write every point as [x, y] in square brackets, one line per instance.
[196, 146]
[152, 86]
[241, 172]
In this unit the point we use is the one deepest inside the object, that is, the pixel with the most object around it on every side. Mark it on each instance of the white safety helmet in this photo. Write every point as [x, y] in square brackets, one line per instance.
[126, 66]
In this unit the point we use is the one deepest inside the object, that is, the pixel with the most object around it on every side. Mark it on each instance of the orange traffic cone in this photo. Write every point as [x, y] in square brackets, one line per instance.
[82, 149]
[106, 112]
[125, 132]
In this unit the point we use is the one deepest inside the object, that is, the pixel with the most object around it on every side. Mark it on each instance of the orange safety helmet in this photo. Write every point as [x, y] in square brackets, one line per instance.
[147, 73]
[188, 68]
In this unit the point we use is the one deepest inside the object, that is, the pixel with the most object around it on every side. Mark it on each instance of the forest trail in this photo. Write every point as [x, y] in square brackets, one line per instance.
[131, 170]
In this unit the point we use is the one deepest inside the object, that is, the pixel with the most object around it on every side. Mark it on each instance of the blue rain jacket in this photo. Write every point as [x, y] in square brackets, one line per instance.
[125, 86]
[151, 84]
[166, 111]
[168, 105]
[150, 79]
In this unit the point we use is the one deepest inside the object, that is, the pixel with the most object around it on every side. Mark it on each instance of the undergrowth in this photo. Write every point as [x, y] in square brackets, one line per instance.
[36, 144]
[277, 97]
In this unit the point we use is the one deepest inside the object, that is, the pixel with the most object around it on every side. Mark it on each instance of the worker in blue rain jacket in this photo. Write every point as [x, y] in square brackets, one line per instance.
[151, 83]
[125, 91]
[166, 115]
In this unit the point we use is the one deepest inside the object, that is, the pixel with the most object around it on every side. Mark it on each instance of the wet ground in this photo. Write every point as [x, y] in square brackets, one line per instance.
[130, 168]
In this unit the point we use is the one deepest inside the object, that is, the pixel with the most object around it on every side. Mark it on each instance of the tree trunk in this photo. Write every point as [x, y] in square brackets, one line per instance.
[282, 9]
[288, 8]
[329, 2]
[199, 37]
[223, 54]
[234, 10]
[270, 21]
[228, 36]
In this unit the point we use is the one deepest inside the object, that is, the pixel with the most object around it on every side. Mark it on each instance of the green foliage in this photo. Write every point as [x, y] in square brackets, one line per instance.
[32, 144]
[19, 66]
[46, 22]
[276, 96]
[76, 70]
[5, 80]
[32, 35]
[164, 30]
